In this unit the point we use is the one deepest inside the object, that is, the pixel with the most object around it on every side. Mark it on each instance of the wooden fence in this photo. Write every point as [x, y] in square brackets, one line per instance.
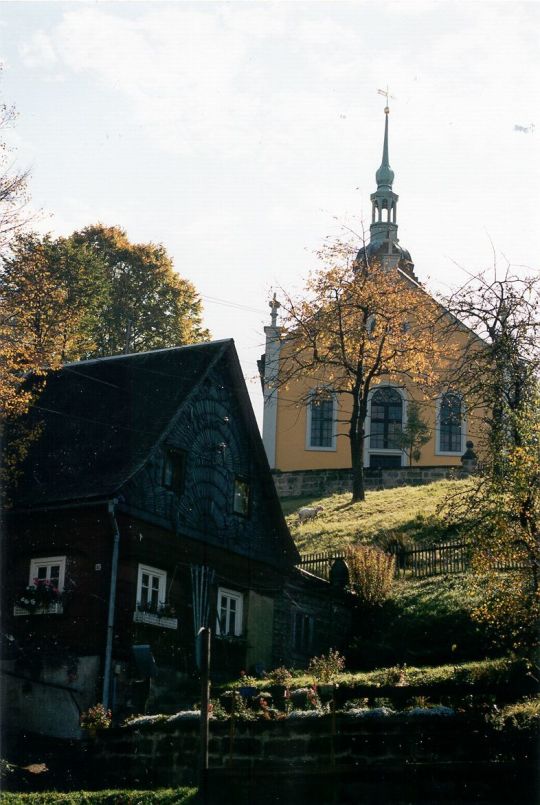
[435, 560]
[319, 564]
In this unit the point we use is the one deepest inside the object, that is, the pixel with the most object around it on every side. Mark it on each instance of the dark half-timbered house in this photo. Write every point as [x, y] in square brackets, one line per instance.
[145, 509]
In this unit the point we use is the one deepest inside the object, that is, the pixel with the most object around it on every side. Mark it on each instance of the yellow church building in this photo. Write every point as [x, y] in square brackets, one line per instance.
[303, 432]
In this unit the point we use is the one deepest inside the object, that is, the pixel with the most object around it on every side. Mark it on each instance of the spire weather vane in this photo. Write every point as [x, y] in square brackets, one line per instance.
[386, 94]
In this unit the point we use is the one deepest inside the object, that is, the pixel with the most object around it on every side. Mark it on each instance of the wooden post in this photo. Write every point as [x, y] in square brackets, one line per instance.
[204, 649]
[231, 728]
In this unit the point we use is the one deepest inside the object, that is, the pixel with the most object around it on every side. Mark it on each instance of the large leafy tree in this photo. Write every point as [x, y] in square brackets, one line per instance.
[355, 325]
[149, 305]
[501, 518]
[504, 528]
[54, 292]
[501, 356]
[91, 294]
[16, 357]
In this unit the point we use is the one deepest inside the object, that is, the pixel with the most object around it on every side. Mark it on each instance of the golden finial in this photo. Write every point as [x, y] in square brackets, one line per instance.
[386, 94]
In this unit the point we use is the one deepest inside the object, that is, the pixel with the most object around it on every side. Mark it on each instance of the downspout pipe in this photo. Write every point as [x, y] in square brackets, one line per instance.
[107, 668]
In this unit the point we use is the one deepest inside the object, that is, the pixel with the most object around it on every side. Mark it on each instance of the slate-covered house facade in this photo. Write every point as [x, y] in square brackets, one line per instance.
[146, 500]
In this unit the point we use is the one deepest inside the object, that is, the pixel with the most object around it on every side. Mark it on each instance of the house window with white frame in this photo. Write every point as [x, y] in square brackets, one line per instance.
[151, 589]
[48, 570]
[230, 606]
[450, 423]
[321, 421]
[386, 419]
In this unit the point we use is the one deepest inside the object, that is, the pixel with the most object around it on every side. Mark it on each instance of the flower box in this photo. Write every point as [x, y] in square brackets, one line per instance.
[152, 619]
[51, 609]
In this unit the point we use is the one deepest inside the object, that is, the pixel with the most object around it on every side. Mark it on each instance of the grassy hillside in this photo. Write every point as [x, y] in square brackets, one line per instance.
[425, 621]
[410, 512]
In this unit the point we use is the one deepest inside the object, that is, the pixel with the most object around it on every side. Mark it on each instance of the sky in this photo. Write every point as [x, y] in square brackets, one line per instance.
[241, 135]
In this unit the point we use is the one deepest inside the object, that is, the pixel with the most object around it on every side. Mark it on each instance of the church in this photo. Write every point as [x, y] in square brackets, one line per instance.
[306, 430]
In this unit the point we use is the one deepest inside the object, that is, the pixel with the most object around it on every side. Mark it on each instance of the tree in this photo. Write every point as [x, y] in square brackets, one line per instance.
[13, 185]
[149, 306]
[502, 353]
[415, 434]
[54, 292]
[354, 325]
[91, 294]
[16, 357]
[499, 374]
[505, 533]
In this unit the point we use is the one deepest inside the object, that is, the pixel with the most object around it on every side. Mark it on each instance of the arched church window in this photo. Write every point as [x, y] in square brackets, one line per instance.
[450, 423]
[386, 419]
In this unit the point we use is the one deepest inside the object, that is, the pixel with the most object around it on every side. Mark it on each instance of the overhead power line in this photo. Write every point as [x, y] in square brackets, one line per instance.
[227, 303]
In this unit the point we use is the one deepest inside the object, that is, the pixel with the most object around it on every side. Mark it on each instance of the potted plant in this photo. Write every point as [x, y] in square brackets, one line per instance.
[95, 718]
[304, 699]
[41, 596]
[162, 614]
[248, 687]
[325, 669]
[280, 679]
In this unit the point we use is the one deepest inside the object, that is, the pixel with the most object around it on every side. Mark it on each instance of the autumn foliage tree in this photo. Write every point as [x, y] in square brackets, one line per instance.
[15, 357]
[501, 517]
[504, 528]
[92, 294]
[55, 291]
[355, 325]
[13, 184]
[148, 305]
[501, 355]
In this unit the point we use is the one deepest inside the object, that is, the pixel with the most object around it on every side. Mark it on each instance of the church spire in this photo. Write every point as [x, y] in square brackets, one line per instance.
[384, 201]
[384, 244]
[385, 175]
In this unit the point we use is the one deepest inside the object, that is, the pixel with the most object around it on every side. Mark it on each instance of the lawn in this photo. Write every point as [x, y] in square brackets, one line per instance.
[425, 621]
[411, 513]
[477, 673]
[163, 796]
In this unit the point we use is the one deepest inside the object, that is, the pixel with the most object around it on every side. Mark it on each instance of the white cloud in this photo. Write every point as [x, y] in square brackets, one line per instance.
[38, 51]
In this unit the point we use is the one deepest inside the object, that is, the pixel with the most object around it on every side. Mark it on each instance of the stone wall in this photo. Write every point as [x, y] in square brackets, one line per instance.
[48, 702]
[167, 753]
[317, 483]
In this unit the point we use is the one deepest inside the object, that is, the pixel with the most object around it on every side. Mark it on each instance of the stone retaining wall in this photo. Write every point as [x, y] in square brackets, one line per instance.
[167, 753]
[317, 483]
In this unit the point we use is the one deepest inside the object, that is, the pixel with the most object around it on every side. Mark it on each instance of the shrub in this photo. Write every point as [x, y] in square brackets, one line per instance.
[280, 676]
[522, 715]
[96, 717]
[326, 667]
[371, 573]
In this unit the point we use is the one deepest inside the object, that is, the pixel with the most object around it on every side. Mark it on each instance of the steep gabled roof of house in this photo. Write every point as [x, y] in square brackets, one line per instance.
[101, 420]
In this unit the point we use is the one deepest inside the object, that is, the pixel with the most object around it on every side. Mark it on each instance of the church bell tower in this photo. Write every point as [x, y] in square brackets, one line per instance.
[384, 244]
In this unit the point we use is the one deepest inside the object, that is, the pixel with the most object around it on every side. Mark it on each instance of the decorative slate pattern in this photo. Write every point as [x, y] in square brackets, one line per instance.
[101, 418]
[108, 424]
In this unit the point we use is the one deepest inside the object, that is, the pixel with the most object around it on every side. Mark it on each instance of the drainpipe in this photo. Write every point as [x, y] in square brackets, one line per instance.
[112, 605]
